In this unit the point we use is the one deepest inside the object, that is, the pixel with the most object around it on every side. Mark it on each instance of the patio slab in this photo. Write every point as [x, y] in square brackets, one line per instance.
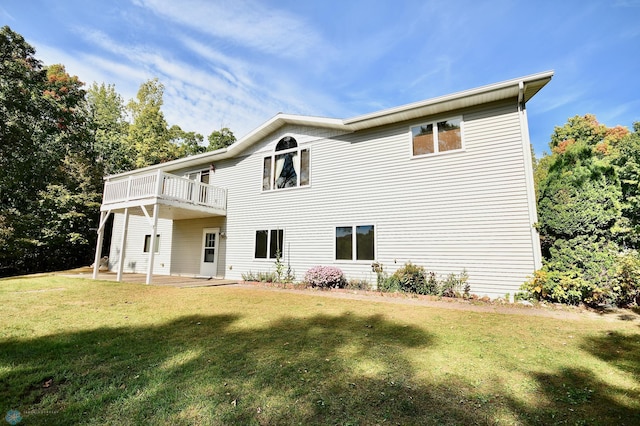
[157, 280]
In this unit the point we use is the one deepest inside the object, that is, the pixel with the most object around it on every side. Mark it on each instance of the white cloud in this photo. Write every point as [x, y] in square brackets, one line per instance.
[245, 22]
[219, 91]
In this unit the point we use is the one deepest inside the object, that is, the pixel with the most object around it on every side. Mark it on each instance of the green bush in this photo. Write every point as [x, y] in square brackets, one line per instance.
[388, 284]
[587, 270]
[454, 285]
[627, 288]
[412, 279]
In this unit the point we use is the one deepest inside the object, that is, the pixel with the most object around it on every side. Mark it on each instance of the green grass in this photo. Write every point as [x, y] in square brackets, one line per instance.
[78, 351]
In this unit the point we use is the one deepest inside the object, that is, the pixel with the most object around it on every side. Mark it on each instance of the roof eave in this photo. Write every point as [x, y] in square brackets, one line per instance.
[493, 92]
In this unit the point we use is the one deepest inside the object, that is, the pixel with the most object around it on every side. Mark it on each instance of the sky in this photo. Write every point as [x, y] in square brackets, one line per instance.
[237, 63]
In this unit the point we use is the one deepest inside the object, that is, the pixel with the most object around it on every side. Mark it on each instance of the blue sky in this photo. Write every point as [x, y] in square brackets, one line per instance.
[236, 63]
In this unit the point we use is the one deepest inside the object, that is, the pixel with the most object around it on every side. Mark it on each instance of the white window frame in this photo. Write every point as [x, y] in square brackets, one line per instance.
[354, 243]
[157, 243]
[434, 123]
[197, 174]
[269, 231]
[272, 178]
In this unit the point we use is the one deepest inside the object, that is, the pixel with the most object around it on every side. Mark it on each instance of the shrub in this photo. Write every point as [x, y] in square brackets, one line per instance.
[388, 284]
[358, 284]
[557, 286]
[325, 277]
[627, 288]
[412, 278]
[263, 277]
[587, 270]
[455, 285]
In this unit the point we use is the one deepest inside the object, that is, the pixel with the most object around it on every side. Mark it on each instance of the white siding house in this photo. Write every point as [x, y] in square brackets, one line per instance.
[445, 183]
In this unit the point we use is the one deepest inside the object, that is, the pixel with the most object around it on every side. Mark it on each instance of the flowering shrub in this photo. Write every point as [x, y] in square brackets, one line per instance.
[325, 277]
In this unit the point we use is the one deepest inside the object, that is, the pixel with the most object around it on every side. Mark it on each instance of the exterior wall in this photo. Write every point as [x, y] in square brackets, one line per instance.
[187, 245]
[136, 260]
[448, 212]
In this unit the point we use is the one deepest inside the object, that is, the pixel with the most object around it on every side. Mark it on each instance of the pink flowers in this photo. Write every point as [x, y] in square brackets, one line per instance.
[325, 277]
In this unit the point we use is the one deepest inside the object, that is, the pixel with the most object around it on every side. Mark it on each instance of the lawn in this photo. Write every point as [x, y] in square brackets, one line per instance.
[76, 351]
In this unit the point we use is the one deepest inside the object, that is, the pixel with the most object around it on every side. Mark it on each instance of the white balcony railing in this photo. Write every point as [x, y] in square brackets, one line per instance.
[165, 186]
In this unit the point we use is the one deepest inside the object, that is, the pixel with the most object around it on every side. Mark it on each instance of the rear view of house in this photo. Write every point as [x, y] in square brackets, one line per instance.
[445, 183]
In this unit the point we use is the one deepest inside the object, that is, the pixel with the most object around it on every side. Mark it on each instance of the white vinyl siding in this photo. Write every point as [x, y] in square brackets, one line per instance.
[136, 260]
[187, 245]
[446, 213]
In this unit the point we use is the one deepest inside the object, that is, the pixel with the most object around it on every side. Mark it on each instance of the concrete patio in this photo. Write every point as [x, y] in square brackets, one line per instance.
[157, 280]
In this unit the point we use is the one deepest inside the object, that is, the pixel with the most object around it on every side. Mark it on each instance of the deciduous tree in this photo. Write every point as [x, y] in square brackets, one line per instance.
[220, 139]
[106, 111]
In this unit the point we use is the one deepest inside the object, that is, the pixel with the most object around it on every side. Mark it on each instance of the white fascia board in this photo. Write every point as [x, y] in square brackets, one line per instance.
[278, 121]
[492, 92]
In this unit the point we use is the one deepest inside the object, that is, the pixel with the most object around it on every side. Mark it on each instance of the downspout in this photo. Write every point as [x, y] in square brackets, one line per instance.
[528, 168]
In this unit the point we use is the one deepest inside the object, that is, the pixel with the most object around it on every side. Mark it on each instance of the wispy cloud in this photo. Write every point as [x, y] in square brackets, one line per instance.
[5, 14]
[245, 22]
[554, 100]
[218, 91]
[619, 113]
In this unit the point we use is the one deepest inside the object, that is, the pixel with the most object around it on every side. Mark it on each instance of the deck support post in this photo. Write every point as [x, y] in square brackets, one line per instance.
[123, 244]
[98, 255]
[152, 243]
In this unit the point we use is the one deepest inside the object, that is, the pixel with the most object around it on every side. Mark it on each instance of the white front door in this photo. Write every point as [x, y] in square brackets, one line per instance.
[209, 252]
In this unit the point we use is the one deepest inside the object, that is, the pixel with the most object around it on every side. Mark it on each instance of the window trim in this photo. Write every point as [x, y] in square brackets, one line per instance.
[434, 123]
[147, 242]
[197, 173]
[268, 254]
[272, 171]
[354, 243]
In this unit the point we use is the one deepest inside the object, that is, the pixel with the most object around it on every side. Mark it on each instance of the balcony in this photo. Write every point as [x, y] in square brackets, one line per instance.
[178, 197]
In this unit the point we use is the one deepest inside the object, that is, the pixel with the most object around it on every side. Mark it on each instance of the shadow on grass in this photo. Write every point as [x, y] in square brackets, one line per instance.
[343, 369]
[578, 396]
[346, 369]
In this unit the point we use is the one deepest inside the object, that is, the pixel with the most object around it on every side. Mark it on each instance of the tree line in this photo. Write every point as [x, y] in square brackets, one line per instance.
[57, 141]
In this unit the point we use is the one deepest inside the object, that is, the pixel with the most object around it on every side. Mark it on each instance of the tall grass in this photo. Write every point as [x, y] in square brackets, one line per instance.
[88, 352]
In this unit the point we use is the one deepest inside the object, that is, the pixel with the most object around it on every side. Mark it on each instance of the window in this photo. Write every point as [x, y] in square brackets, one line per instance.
[269, 243]
[436, 137]
[355, 242]
[201, 192]
[288, 167]
[147, 243]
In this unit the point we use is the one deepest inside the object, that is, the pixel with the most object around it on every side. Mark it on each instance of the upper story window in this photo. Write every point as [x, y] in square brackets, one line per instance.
[199, 176]
[437, 137]
[287, 167]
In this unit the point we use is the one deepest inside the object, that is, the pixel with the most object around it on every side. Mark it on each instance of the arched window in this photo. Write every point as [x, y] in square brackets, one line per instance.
[287, 167]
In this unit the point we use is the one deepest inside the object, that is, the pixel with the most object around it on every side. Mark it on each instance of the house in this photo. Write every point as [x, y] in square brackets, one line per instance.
[445, 183]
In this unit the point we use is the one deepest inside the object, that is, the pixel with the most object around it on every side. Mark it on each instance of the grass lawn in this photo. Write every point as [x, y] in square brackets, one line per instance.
[76, 351]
